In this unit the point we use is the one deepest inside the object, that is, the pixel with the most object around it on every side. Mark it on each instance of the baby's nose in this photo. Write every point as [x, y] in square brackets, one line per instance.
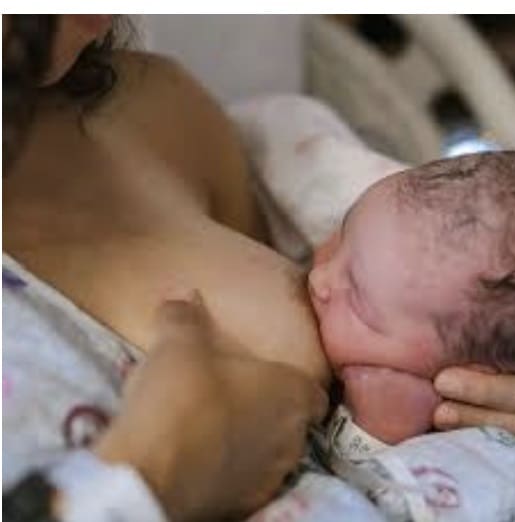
[319, 283]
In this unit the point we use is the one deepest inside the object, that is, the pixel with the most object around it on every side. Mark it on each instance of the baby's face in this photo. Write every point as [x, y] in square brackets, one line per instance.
[375, 286]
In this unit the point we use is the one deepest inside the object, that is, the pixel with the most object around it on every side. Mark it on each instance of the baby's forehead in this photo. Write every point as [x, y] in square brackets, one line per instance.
[380, 197]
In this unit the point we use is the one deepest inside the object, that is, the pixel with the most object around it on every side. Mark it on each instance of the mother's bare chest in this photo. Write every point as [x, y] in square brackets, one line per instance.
[256, 296]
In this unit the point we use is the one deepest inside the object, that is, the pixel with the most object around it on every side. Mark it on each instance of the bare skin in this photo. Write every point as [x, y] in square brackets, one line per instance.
[143, 203]
[150, 198]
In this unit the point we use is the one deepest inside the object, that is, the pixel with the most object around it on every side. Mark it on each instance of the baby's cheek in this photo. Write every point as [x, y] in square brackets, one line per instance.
[349, 343]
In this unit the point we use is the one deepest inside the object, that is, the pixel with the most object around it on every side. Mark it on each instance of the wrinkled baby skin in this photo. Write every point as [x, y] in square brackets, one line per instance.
[376, 286]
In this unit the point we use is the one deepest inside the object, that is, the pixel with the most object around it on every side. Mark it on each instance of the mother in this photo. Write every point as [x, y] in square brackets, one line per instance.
[120, 203]
[131, 186]
[128, 176]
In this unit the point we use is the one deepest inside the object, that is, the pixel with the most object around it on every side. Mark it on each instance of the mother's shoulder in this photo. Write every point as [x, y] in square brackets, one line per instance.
[151, 85]
[126, 60]
[141, 72]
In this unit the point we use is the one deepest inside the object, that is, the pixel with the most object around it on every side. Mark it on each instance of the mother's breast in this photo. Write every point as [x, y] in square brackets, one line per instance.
[256, 296]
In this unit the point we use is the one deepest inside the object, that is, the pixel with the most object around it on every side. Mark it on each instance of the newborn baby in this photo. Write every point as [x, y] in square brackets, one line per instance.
[420, 275]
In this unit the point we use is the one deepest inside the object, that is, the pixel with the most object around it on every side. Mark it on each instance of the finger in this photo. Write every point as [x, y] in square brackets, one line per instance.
[451, 415]
[496, 392]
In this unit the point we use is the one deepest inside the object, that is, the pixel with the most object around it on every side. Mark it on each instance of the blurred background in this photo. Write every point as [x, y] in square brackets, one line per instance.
[414, 86]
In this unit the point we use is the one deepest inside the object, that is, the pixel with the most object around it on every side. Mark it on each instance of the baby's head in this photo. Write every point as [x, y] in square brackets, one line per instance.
[420, 276]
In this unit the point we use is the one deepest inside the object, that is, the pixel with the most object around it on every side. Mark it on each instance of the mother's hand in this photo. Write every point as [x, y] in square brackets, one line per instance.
[474, 398]
[213, 434]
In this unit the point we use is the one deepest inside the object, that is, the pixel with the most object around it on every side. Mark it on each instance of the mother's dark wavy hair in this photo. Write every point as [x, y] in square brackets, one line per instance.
[26, 56]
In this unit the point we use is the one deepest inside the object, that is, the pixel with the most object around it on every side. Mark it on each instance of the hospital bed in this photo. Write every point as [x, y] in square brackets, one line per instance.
[386, 99]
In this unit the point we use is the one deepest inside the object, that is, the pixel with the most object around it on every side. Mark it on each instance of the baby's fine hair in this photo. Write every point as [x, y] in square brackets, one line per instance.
[466, 192]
